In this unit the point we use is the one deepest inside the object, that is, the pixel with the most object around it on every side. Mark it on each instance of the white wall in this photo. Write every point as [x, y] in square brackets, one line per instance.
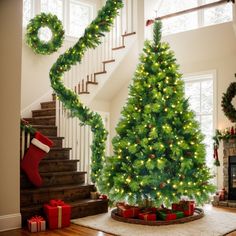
[35, 85]
[10, 67]
[209, 48]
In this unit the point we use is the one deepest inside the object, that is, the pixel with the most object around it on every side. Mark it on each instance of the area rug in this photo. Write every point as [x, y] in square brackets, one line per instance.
[214, 223]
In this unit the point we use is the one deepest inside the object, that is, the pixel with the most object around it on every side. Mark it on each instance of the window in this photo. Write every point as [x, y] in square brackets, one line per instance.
[27, 11]
[193, 20]
[199, 90]
[80, 16]
[74, 14]
[55, 7]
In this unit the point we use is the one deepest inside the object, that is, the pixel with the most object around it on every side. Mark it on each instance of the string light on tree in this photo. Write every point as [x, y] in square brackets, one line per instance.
[163, 166]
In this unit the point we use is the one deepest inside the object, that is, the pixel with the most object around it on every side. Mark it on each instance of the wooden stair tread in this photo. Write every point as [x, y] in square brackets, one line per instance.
[45, 126]
[44, 109]
[117, 48]
[128, 34]
[91, 82]
[86, 201]
[46, 174]
[51, 160]
[63, 173]
[109, 61]
[49, 102]
[55, 188]
[100, 72]
[40, 117]
[60, 149]
[55, 137]
[73, 204]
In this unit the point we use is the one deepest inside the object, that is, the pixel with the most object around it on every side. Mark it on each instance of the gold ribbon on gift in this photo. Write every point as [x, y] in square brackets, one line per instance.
[59, 216]
[146, 217]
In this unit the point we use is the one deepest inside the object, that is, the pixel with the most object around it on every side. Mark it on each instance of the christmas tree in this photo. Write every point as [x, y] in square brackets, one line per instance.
[158, 150]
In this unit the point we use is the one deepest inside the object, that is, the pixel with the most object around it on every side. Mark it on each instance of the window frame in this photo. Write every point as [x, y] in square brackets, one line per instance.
[196, 77]
[36, 9]
[192, 77]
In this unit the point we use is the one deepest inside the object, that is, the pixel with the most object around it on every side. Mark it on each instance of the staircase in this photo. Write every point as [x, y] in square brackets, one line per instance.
[61, 178]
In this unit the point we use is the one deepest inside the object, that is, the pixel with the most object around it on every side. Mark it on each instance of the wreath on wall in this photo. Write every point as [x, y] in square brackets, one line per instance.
[226, 102]
[32, 35]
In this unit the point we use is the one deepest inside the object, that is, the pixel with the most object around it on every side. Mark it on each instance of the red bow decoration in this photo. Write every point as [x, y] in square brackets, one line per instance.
[56, 203]
[36, 219]
[149, 22]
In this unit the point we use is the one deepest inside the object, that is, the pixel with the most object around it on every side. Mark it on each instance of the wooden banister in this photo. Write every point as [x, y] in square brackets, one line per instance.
[209, 5]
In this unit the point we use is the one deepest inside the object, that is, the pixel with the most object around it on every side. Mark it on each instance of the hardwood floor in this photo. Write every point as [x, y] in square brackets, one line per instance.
[75, 230]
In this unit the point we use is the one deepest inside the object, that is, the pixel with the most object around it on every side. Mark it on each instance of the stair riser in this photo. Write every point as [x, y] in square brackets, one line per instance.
[42, 121]
[47, 105]
[55, 180]
[44, 113]
[57, 143]
[89, 209]
[57, 166]
[48, 131]
[32, 199]
[58, 154]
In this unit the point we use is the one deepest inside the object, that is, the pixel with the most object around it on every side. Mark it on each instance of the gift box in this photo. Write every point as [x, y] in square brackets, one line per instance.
[187, 207]
[216, 198]
[167, 215]
[36, 224]
[151, 209]
[127, 211]
[58, 214]
[147, 216]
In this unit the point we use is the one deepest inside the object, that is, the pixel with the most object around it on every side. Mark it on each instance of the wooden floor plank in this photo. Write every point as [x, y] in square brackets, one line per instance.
[73, 230]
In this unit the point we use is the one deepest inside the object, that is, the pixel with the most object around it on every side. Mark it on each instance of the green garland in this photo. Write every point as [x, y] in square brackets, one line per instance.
[226, 102]
[24, 125]
[32, 38]
[226, 134]
[69, 98]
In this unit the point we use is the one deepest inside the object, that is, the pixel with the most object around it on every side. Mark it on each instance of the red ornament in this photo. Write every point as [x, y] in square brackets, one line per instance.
[149, 22]
[162, 185]
[103, 196]
[232, 131]
[152, 156]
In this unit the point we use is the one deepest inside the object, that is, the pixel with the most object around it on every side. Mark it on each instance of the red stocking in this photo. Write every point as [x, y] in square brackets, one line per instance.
[40, 145]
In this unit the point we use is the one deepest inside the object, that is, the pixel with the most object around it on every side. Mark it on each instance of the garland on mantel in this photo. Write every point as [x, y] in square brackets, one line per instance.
[91, 39]
[226, 134]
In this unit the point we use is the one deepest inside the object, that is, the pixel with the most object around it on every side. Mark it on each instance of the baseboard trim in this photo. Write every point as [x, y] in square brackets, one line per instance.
[9, 222]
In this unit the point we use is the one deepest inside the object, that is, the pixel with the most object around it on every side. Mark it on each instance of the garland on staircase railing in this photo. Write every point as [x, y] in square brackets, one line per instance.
[91, 39]
[24, 125]
[226, 134]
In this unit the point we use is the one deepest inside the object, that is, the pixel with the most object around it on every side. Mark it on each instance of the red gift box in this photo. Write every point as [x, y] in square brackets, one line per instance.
[147, 216]
[36, 224]
[58, 214]
[127, 211]
[187, 207]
